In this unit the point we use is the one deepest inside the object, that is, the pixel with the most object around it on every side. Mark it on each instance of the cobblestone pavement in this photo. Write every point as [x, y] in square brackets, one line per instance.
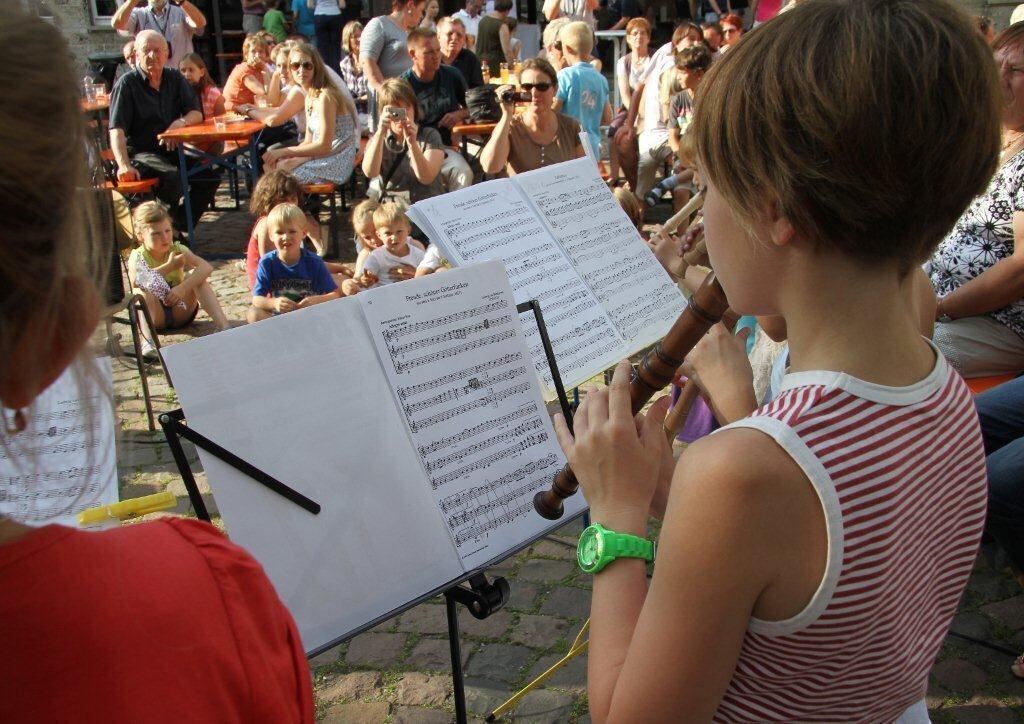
[400, 670]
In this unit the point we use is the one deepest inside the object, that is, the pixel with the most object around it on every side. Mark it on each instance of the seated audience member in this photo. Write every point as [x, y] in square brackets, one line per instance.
[52, 596]
[403, 158]
[712, 37]
[470, 17]
[494, 40]
[431, 9]
[537, 137]
[732, 31]
[452, 34]
[173, 280]
[145, 103]
[176, 23]
[128, 52]
[286, 99]
[628, 71]
[331, 143]
[1001, 413]
[441, 95]
[249, 81]
[352, 71]
[397, 257]
[978, 270]
[273, 189]
[290, 277]
[582, 90]
[367, 241]
[784, 533]
[193, 67]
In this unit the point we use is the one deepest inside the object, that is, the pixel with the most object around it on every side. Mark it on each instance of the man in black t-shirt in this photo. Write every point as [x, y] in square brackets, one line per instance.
[145, 102]
[452, 34]
[441, 94]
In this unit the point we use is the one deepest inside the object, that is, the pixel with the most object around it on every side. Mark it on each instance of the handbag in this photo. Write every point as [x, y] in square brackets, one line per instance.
[482, 103]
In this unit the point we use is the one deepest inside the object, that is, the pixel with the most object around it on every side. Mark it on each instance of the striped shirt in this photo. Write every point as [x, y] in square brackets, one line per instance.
[900, 473]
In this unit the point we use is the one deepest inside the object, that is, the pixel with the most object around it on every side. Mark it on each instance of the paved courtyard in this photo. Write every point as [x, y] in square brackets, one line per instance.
[400, 670]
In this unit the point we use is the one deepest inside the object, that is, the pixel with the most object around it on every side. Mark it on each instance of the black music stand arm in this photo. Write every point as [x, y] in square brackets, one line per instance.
[174, 427]
[534, 306]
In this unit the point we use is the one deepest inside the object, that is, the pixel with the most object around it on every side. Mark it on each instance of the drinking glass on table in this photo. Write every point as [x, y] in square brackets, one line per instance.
[504, 73]
[220, 123]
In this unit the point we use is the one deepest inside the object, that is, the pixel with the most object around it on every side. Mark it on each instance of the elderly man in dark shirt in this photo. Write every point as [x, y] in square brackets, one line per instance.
[146, 102]
[452, 34]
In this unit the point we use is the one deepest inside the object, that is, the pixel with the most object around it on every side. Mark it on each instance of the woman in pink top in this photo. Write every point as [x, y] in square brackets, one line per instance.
[813, 552]
[192, 630]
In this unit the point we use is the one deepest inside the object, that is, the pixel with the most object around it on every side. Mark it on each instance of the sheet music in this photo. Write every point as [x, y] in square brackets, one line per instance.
[493, 221]
[596, 234]
[453, 349]
[64, 461]
[302, 397]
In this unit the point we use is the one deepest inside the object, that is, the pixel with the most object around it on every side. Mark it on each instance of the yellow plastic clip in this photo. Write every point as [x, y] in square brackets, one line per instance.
[128, 508]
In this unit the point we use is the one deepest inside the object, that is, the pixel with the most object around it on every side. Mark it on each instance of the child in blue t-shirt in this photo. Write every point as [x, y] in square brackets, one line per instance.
[582, 90]
[289, 277]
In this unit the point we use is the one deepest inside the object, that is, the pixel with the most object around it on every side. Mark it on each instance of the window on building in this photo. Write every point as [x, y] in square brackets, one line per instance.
[102, 11]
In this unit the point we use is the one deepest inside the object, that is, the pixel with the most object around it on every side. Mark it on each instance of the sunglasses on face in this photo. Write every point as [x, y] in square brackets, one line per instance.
[539, 86]
[558, 46]
[305, 65]
[727, 31]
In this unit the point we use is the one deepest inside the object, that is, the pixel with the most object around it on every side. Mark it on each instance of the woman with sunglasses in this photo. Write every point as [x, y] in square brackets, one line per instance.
[328, 151]
[732, 29]
[537, 137]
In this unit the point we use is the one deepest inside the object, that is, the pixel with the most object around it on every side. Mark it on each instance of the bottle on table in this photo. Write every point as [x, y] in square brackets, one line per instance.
[504, 73]
[486, 70]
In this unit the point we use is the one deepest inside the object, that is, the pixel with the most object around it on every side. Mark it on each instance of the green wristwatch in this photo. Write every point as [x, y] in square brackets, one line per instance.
[599, 546]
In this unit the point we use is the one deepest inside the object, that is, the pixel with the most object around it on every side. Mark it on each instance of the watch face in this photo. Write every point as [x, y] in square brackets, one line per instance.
[588, 552]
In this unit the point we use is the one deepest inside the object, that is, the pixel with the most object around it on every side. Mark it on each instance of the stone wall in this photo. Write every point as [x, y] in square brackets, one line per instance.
[75, 21]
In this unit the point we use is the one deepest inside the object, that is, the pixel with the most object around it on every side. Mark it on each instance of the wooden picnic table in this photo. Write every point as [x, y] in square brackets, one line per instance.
[94, 106]
[244, 132]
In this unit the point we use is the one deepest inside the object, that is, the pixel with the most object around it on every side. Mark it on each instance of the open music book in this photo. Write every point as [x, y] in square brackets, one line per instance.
[411, 413]
[565, 242]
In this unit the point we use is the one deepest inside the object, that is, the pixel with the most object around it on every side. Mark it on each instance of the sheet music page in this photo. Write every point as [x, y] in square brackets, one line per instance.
[606, 249]
[302, 397]
[493, 221]
[64, 461]
[453, 348]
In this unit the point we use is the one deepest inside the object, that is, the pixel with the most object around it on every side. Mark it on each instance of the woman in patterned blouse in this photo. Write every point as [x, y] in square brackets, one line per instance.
[978, 270]
[351, 73]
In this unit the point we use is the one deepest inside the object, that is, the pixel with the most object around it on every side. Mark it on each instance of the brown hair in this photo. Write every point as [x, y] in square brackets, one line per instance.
[48, 240]
[197, 60]
[274, 188]
[255, 40]
[321, 82]
[839, 118]
[542, 65]
[397, 90]
[695, 57]
[1011, 38]
[419, 33]
[640, 23]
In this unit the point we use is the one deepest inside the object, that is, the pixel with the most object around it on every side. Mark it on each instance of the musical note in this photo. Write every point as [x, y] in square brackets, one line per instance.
[509, 450]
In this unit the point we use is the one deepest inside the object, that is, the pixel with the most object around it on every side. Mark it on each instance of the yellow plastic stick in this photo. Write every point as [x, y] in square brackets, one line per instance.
[128, 508]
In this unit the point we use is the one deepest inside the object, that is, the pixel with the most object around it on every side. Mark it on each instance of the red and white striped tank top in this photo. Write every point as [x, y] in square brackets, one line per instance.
[900, 473]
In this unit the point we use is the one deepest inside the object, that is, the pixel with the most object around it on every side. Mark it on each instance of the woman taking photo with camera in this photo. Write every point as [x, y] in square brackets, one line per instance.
[537, 137]
[410, 171]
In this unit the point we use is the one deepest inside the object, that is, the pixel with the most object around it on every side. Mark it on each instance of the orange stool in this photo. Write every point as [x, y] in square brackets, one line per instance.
[978, 385]
[327, 189]
[133, 188]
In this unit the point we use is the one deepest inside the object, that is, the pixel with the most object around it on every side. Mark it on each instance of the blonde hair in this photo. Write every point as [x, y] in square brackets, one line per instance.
[284, 213]
[552, 30]
[397, 90]
[578, 37]
[49, 241]
[389, 213]
[321, 82]
[629, 202]
[254, 40]
[347, 32]
[149, 213]
[838, 119]
[363, 212]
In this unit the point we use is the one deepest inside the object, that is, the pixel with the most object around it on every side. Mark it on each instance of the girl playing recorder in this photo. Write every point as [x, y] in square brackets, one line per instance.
[812, 554]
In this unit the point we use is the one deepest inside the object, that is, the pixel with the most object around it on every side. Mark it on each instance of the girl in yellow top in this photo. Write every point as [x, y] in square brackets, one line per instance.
[173, 280]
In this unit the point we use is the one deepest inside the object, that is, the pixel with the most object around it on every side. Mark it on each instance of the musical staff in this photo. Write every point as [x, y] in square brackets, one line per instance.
[403, 366]
[474, 385]
[489, 399]
[462, 374]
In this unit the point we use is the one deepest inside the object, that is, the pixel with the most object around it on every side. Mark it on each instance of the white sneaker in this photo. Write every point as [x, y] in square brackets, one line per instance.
[149, 353]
